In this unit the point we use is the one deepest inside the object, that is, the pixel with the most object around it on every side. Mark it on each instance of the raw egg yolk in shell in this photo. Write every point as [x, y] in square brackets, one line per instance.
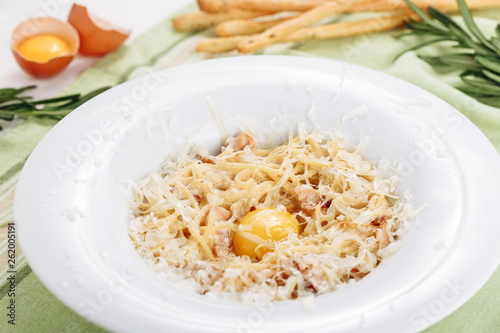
[259, 229]
[42, 48]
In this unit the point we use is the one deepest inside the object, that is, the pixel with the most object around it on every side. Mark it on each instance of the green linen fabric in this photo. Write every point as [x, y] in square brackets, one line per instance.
[161, 47]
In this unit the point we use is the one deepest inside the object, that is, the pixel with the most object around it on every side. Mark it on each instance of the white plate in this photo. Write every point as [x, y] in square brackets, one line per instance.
[72, 218]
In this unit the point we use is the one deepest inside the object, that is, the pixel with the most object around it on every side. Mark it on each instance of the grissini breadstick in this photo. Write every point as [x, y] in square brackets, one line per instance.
[339, 30]
[274, 6]
[200, 21]
[278, 32]
[219, 44]
[329, 31]
[347, 29]
[400, 5]
[246, 26]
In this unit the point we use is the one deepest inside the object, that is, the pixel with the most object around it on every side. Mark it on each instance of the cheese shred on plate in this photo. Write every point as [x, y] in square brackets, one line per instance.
[300, 219]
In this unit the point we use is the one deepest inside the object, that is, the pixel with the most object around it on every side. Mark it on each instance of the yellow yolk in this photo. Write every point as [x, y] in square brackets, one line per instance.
[259, 229]
[42, 48]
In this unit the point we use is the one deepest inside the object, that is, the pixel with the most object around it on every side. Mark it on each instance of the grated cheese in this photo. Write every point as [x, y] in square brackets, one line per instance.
[351, 217]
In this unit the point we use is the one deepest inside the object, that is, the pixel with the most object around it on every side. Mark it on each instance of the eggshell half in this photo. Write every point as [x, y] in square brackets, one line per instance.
[50, 26]
[97, 36]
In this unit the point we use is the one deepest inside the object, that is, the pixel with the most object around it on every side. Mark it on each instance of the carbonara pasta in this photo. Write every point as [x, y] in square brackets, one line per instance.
[300, 219]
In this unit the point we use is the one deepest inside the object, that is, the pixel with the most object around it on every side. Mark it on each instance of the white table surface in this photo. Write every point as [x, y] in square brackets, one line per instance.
[135, 15]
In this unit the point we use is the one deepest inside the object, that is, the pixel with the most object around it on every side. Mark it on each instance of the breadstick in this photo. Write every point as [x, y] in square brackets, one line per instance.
[400, 5]
[200, 21]
[219, 44]
[246, 27]
[272, 6]
[329, 31]
[348, 29]
[278, 32]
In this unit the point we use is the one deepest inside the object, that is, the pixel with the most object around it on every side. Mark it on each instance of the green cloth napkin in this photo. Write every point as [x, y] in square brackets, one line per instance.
[161, 47]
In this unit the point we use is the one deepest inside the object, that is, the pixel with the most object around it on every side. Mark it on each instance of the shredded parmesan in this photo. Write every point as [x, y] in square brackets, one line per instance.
[351, 217]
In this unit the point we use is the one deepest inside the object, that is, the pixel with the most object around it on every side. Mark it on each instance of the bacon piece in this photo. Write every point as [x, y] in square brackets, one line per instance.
[220, 214]
[206, 159]
[355, 273]
[244, 139]
[379, 221]
[292, 267]
[222, 237]
[238, 210]
[381, 234]
[309, 198]
[203, 273]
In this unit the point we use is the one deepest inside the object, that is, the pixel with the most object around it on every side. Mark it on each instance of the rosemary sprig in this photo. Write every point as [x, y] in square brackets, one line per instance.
[13, 103]
[477, 56]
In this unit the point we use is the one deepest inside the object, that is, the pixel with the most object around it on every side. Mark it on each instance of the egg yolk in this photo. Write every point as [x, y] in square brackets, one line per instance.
[42, 48]
[259, 229]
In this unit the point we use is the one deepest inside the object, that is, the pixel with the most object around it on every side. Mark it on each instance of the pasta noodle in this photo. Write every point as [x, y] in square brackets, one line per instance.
[349, 215]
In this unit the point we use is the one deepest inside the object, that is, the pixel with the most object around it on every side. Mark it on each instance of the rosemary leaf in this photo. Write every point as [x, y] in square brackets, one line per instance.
[433, 61]
[487, 87]
[13, 91]
[419, 26]
[446, 20]
[7, 117]
[17, 106]
[473, 91]
[492, 76]
[57, 99]
[476, 56]
[13, 104]
[9, 94]
[469, 22]
[491, 101]
[418, 46]
[462, 61]
[423, 16]
[495, 41]
[488, 63]
[85, 98]
[467, 42]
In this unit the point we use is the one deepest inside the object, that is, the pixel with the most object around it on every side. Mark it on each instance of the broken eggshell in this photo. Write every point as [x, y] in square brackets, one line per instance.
[97, 36]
